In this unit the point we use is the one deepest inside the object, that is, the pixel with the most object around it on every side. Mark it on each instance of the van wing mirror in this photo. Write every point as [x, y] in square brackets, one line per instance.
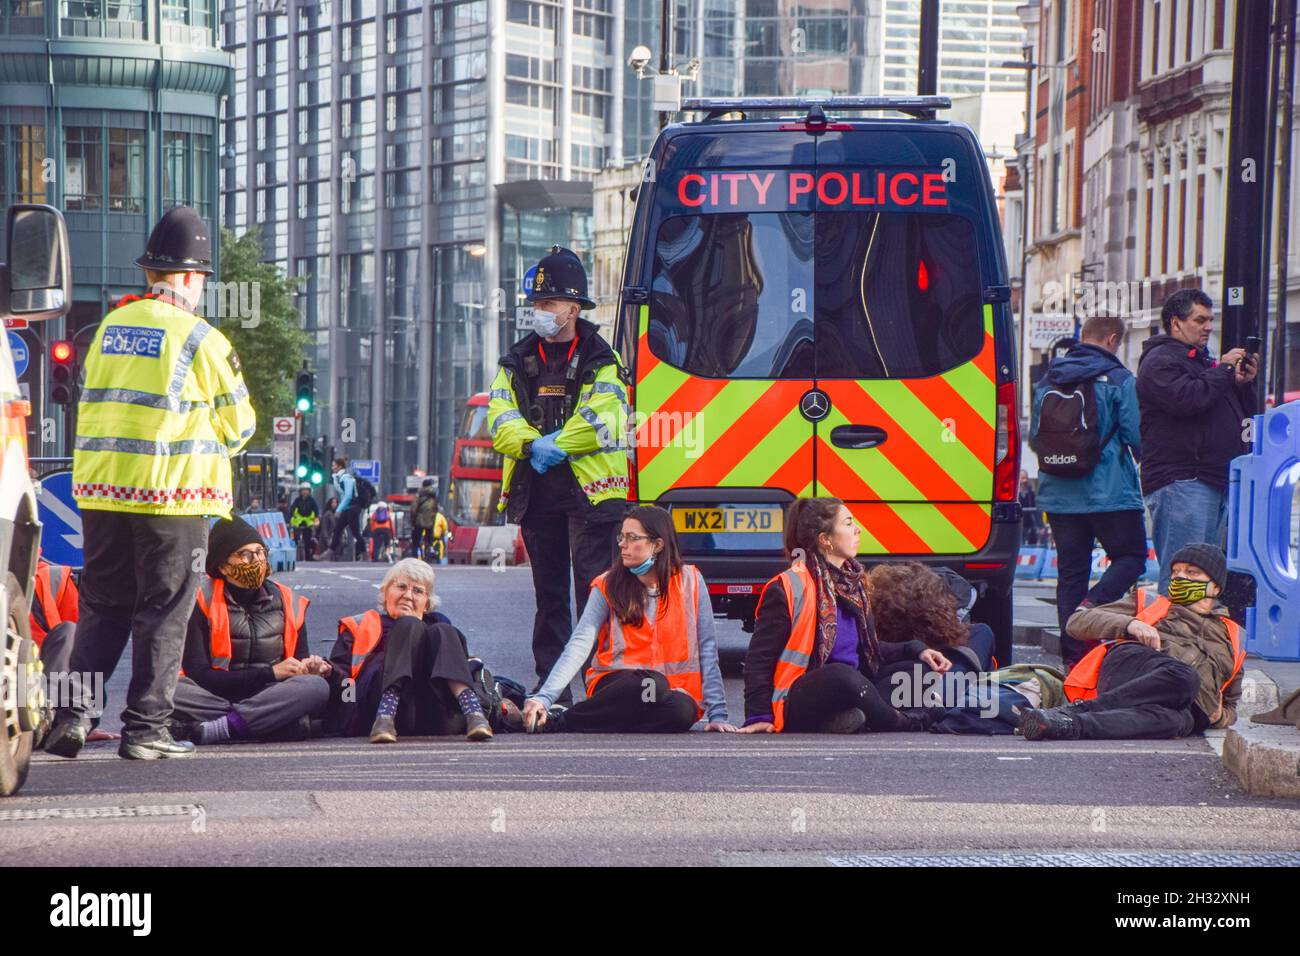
[37, 282]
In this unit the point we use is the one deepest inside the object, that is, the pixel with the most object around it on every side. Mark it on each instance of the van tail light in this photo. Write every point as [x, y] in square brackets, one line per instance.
[1006, 473]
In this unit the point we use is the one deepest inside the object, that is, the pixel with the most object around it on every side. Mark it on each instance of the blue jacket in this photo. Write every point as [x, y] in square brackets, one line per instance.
[1113, 484]
[347, 486]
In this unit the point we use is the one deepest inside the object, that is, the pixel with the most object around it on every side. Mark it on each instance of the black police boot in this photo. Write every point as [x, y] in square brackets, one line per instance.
[1056, 723]
[66, 737]
[165, 747]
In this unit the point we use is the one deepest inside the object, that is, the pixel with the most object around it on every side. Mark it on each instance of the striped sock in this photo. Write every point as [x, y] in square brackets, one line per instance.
[388, 703]
[469, 703]
[214, 731]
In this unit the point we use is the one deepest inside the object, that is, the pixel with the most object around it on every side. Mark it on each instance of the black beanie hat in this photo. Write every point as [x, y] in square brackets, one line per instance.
[1208, 558]
[226, 537]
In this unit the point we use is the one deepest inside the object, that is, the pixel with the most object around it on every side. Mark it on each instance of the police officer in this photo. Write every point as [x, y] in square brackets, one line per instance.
[557, 412]
[162, 409]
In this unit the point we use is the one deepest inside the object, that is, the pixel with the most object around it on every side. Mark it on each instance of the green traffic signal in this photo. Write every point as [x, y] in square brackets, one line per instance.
[305, 389]
[317, 477]
[302, 470]
[304, 404]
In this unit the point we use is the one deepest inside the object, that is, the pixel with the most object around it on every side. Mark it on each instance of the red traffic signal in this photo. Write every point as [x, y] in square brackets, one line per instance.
[62, 352]
[63, 376]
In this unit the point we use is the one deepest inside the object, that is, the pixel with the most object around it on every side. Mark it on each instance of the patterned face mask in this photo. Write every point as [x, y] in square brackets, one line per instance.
[1187, 591]
[248, 576]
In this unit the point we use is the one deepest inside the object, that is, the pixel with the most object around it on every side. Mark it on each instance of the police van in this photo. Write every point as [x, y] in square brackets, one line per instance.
[815, 302]
[36, 284]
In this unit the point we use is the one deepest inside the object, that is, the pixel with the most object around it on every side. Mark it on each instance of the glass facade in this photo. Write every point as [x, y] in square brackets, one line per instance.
[95, 130]
[975, 38]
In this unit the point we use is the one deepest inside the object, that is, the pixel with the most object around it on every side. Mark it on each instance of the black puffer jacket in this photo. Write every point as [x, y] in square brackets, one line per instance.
[1194, 414]
[256, 642]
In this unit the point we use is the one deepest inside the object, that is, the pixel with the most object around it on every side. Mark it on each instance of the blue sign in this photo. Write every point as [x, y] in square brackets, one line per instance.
[61, 540]
[22, 357]
[529, 276]
[367, 468]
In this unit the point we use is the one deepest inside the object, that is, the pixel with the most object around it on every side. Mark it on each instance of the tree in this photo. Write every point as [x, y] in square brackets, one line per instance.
[262, 324]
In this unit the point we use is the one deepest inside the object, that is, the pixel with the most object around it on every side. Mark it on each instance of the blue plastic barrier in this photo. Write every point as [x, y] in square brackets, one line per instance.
[283, 553]
[1029, 565]
[1261, 493]
[1050, 563]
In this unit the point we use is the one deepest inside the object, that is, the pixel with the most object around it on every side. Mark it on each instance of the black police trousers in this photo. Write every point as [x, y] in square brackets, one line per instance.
[139, 583]
[556, 542]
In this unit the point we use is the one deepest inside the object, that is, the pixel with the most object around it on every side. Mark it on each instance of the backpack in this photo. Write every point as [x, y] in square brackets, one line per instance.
[1066, 441]
[381, 514]
[426, 512]
[365, 493]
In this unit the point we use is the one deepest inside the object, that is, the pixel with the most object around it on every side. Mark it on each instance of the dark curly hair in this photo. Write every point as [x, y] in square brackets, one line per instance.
[911, 602]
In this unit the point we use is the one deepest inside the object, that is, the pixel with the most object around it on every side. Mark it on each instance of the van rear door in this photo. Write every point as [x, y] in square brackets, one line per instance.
[725, 344]
[904, 342]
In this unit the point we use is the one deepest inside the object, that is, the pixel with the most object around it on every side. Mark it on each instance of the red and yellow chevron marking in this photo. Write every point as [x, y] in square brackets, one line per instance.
[924, 490]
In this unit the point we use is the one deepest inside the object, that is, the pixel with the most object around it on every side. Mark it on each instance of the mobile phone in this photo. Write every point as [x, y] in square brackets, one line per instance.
[1252, 345]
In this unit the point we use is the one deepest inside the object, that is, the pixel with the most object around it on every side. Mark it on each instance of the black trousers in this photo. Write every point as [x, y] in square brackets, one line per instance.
[556, 542]
[350, 518]
[826, 691]
[1123, 535]
[418, 661]
[1142, 694]
[630, 701]
[380, 537]
[139, 583]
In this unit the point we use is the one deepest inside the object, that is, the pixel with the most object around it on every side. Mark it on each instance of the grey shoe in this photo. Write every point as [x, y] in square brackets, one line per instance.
[66, 737]
[165, 747]
[383, 730]
[478, 727]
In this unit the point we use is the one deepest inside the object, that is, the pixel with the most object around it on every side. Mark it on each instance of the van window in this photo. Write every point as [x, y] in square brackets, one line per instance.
[804, 295]
[723, 295]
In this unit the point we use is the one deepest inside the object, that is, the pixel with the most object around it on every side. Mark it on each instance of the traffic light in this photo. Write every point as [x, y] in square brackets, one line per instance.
[63, 372]
[304, 460]
[317, 473]
[306, 389]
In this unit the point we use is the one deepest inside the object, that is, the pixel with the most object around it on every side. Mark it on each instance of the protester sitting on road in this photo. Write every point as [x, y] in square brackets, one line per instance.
[247, 671]
[913, 602]
[994, 704]
[404, 667]
[815, 653]
[1167, 666]
[650, 620]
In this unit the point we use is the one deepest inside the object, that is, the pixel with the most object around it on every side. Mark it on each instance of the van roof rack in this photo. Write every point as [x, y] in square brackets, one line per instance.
[921, 107]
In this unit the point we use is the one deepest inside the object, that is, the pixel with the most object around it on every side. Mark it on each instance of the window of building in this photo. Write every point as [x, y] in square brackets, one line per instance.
[83, 168]
[187, 167]
[27, 149]
[126, 170]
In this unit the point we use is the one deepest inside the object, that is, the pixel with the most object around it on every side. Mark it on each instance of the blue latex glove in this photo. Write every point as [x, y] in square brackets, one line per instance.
[545, 455]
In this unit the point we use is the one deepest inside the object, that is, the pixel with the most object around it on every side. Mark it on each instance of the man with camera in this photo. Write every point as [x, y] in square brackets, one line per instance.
[1196, 416]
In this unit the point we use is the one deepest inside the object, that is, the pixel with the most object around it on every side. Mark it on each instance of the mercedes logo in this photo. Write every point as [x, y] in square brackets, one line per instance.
[815, 405]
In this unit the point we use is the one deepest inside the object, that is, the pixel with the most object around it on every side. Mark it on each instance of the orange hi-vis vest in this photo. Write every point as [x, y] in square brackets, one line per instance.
[366, 630]
[669, 645]
[801, 600]
[1081, 682]
[56, 596]
[214, 609]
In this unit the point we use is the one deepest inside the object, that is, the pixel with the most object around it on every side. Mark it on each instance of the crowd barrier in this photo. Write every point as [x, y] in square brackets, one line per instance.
[282, 552]
[1040, 564]
[1262, 532]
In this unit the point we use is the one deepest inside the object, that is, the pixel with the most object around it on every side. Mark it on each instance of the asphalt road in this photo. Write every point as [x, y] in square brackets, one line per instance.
[695, 799]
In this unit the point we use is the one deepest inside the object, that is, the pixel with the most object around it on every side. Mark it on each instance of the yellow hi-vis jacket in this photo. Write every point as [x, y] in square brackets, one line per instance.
[163, 408]
[593, 436]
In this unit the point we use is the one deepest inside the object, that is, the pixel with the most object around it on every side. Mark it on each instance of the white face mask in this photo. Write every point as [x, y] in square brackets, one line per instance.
[546, 324]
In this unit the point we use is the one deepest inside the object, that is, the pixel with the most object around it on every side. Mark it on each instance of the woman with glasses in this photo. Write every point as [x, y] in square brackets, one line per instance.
[650, 621]
[247, 672]
[404, 667]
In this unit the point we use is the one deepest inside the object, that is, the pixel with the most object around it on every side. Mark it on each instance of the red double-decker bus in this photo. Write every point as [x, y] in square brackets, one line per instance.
[475, 470]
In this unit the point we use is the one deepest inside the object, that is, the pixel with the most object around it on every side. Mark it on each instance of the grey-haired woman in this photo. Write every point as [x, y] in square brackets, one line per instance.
[402, 666]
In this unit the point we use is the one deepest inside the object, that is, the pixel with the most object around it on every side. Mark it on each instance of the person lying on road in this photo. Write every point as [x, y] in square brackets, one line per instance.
[1166, 667]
